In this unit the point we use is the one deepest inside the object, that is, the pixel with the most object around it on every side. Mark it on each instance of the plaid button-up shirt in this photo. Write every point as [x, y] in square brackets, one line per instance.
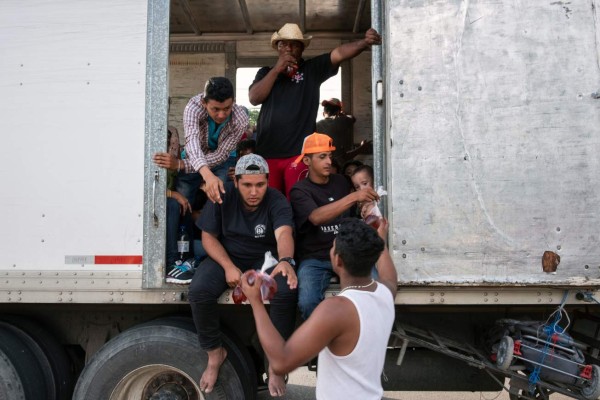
[195, 124]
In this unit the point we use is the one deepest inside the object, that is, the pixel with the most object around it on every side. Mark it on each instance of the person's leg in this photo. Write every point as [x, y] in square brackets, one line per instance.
[292, 174]
[276, 170]
[220, 170]
[182, 272]
[187, 185]
[199, 252]
[188, 222]
[172, 229]
[283, 314]
[283, 306]
[313, 279]
[207, 285]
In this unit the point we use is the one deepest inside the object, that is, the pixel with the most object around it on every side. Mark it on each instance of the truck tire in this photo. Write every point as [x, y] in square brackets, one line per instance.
[592, 390]
[56, 355]
[524, 394]
[11, 387]
[29, 362]
[153, 360]
[237, 353]
[504, 356]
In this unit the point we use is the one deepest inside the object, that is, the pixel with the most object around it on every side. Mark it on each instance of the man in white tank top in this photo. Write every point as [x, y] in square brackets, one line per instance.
[350, 331]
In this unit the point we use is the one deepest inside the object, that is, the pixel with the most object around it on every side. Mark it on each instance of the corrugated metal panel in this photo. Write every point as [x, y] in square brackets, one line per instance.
[73, 101]
[496, 140]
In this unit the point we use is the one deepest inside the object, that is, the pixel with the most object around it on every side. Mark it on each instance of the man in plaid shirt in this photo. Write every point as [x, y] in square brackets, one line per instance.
[213, 126]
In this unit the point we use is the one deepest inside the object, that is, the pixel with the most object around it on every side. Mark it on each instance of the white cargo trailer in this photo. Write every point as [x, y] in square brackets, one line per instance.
[486, 128]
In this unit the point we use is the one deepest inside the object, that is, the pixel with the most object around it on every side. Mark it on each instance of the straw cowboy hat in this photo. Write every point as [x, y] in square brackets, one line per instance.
[290, 32]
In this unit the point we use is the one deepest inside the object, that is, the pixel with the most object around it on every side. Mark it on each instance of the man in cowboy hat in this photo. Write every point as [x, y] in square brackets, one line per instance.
[319, 202]
[289, 94]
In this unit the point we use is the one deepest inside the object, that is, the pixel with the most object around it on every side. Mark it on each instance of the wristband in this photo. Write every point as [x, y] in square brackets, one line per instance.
[288, 260]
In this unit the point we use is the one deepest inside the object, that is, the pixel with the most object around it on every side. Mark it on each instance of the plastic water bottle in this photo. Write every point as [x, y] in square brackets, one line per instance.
[183, 243]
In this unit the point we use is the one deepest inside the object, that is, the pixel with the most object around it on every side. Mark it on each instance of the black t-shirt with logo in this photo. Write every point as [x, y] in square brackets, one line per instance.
[306, 196]
[246, 235]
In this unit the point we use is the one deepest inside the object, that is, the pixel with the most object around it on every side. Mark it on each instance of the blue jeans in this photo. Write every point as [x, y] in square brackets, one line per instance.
[188, 184]
[220, 170]
[199, 252]
[313, 279]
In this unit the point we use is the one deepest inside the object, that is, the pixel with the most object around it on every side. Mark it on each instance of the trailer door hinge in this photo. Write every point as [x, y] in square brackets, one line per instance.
[379, 91]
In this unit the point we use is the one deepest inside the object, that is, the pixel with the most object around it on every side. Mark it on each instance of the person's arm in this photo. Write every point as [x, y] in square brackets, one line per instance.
[347, 51]
[260, 90]
[184, 204]
[328, 322]
[213, 186]
[285, 241]
[168, 161]
[385, 266]
[366, 147]
[217, 252]
[333, 210]
[285, 248]
[263, 83]
[192, 115]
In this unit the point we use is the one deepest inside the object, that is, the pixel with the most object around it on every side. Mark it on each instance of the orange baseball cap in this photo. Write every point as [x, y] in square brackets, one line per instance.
[315, 143]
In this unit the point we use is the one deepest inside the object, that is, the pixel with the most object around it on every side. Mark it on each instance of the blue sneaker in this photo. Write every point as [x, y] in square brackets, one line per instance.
[182, 272]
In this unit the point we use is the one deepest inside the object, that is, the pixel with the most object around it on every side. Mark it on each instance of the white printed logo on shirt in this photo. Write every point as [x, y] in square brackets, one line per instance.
[259, 231]
[330, 229]
[298, 76]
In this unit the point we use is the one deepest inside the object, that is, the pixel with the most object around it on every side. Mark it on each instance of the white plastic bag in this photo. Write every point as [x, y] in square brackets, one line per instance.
[268, 288]
[370, 212]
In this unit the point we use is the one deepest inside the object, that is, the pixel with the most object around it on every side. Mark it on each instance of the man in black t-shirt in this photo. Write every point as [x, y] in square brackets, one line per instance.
[319, 203]
[338, 126]
[289, 93]
[251, 220]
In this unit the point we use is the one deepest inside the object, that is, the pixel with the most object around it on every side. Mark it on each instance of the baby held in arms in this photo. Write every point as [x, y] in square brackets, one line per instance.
[362, 177]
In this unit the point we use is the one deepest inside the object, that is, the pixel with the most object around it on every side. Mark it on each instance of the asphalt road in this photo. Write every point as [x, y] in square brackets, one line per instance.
[301, 386]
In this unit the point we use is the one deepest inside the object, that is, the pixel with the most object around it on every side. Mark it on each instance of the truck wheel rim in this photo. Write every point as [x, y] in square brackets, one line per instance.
[157, 380]
[502, 349]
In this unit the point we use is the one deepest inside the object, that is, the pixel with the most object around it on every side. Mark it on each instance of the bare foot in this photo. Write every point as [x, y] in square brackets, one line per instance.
[276, 384]
[209, 377]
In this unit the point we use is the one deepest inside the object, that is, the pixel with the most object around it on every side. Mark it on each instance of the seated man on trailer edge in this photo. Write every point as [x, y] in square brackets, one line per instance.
[319, 202]
[251, 220]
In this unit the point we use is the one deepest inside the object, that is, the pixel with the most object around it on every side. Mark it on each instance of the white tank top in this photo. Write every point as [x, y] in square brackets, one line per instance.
[358, 374]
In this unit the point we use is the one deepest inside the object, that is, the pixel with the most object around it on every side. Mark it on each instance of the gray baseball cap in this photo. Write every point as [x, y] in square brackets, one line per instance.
[251, 164]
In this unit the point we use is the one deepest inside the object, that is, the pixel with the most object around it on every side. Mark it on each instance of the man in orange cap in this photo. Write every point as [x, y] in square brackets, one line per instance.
[289, 93]
[319, 202]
